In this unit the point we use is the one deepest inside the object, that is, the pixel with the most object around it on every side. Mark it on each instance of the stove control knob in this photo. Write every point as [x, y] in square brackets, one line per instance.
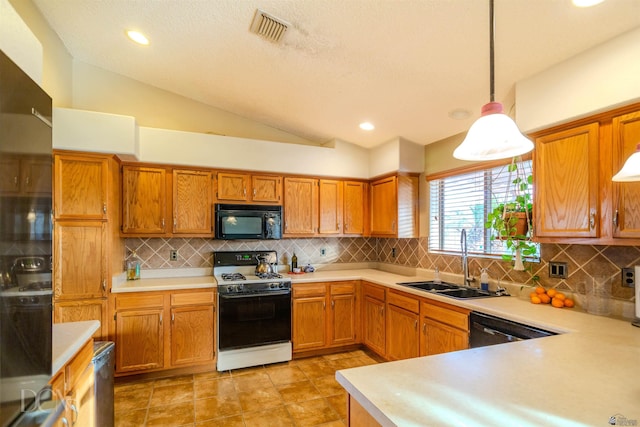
[273, 285]
[239, 288]
[34, 300]
[281, 285]
[23, 300]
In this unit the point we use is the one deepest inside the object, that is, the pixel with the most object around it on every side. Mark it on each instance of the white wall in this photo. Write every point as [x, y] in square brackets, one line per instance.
[385, 158]
[18, 42]
[598, 79]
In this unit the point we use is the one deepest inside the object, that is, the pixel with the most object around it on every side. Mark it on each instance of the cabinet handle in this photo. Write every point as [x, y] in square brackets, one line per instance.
[28, 181]
[104, 285]
[615, 218]
[173, 317]
[75, 414]
[254, 193]
[244, 192]
[15, 181]
[424, 328]
[104, 208]
[64, 421]
[415, 325]
[592, 220]
[175, 221]
[333, 304]
[324, 304]
[161, 318]
[162, 223]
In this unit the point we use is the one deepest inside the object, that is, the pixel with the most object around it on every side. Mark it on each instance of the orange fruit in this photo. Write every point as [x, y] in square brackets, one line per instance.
[544, 298]
[535, 300]
[557, 303]
[533, 294]
[540, 290]
[560, 296]
[552, 292]
[568, 302]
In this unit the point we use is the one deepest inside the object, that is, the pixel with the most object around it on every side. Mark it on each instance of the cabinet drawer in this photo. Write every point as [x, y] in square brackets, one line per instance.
[308, 290]
[375, 292]
[407, 302]
[192, 298]
[343, 288]
[77, 366]
[458, 319]
[130, 302]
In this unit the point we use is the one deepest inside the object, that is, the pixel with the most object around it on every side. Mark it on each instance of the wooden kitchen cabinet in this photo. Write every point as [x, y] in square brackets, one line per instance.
[192, 202]
[80, 270]
[300, 207]
[355, 203]
[324, 315]
[250, 188]
[575, 199]
[444, 328]
[402, 320]
[144, 200]
[394, 206]
[162, 330]
[330, 205]
[81, 186]
[84, 309]
[26, 175]
[373, 317]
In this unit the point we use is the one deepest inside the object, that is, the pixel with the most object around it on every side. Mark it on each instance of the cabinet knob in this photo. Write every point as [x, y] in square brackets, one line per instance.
[161, 318]
[104, 208]
[28, 181]
[15, 181]
[592, 220]
[615, 218]
[244, 192]
[173, 317]
[254, 192]
[333, 304]
[104, 285]
[162, 223]
[415, 325]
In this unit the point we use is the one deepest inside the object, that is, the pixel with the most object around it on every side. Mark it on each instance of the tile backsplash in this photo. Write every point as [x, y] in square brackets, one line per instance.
[583, 261]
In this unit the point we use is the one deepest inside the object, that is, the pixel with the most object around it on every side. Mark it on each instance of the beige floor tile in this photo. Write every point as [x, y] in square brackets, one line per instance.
[275, 417]
[316, 369]
[312, 412]
[233, 421]
[176, 414]
[131, 419]
[298, 392]
[327, 385]
[286, 375]
[180, 379]
[205, 376]
[245, 371]
[169, 394]
[259, 399]
[129, 400]
[215, 387]
[217, 407]
[339, 404]
[252, 381]
[132, 385]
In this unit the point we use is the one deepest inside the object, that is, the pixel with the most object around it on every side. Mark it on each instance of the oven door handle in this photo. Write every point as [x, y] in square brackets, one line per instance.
[265, 294]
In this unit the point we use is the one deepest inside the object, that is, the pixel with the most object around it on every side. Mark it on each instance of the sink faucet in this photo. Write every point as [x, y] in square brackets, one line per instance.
[466, 279]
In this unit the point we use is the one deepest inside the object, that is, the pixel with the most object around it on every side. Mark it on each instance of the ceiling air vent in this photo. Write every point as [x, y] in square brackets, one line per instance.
[268, 26]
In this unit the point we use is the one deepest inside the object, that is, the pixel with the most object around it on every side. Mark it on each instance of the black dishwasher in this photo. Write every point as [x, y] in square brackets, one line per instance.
[490, 330]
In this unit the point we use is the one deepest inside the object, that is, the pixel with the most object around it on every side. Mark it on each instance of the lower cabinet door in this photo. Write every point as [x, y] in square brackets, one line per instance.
[309, 320]
[343, 319]
[91, 309]
[374, 330]
[440, 338]
[140, 341]
[192, 330]
[82, 404]
[403, 337]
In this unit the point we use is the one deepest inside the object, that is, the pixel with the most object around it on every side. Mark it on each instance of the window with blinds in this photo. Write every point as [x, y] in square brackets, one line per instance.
[463, 202]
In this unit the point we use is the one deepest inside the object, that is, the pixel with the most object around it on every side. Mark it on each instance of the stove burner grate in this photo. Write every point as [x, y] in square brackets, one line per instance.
[233, 276]
[269, 276]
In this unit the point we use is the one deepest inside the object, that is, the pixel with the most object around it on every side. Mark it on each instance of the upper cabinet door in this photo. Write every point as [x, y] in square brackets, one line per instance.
[192, 202]
[144, 200]
[384, 207]
[233, 187]
[81, 185]
[300, 206]
[330, 205]
[354, 207]
[266, 189]
[566, 170]
[626, 205]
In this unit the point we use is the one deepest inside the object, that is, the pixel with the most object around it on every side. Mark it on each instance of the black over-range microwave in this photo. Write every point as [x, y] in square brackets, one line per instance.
[260, 222]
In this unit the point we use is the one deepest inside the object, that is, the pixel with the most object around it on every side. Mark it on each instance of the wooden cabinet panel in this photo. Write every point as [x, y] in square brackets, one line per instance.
[358, 416]
[81, 272]
[139, 340]
[403, 337]
[233, 187]
[384, 207]
[374, 331]
[330, 206]
[81, 187]
[10, 175]
[566, 168]
[266, 189]
[79, 310]
[192, 331]
[343, 319]
[440, 338]
[26, 175]
[192, 202]
[82, 400]
[300, 207]
[626, 199]
[354, 207]
[144, 200]
[309, 323]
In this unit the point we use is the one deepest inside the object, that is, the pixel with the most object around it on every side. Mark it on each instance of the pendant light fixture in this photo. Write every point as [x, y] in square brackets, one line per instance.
[631, 169]
[494, 135]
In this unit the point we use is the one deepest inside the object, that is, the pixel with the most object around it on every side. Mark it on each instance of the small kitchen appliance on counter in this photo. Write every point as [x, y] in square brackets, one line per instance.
[254, 310]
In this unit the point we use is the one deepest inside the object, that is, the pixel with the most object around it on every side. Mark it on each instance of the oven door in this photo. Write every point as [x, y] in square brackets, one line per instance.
[253, 320]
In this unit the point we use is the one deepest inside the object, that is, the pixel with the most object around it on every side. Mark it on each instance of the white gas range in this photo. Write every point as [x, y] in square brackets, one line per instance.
[254, 311]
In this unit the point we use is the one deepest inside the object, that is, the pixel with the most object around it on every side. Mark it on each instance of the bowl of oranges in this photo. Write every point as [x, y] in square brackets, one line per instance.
[551, 296]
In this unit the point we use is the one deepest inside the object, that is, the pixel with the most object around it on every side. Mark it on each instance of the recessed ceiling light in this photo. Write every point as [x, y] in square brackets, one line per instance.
[459, 114]
[586, 3]
[367, 126]
[138, 37]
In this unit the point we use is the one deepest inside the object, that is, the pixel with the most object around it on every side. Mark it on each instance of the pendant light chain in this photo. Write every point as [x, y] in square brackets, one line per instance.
[492, 85]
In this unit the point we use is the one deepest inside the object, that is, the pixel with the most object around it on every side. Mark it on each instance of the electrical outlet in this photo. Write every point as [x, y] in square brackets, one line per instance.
[323, 251]
[558, 270]
[393, 252]
[173, 255]
[628, 277]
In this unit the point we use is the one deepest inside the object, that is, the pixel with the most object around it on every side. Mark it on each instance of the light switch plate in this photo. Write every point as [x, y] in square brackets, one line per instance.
[558, 269]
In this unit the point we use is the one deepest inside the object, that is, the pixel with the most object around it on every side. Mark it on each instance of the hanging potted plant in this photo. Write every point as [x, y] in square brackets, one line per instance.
[511, 220]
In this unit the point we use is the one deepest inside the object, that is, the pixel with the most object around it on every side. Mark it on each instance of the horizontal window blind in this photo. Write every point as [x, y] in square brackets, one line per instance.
[463, 202]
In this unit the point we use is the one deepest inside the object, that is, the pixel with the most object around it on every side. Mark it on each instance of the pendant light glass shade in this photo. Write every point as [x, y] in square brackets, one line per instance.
[493, 136]
[631, 169]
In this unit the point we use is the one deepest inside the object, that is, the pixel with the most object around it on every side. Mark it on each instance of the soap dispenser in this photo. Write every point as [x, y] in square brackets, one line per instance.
[133, 266]
[484, 279]
[436, 276]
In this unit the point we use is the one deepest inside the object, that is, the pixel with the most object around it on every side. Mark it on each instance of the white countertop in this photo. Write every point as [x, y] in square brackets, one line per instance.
[67, 339]
[164, 284]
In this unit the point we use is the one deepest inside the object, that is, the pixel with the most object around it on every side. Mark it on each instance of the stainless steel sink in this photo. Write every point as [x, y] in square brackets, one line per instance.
[450, 290]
